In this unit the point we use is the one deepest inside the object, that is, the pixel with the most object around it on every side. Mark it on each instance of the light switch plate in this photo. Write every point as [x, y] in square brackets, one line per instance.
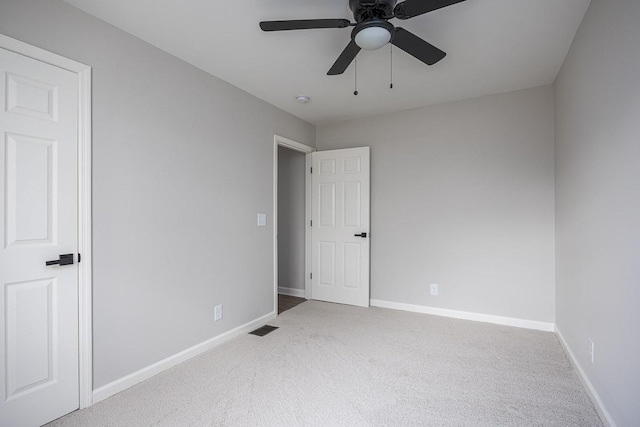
[262, 220]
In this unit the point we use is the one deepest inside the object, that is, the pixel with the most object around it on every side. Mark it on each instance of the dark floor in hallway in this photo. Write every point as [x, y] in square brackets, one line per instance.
[285, 302]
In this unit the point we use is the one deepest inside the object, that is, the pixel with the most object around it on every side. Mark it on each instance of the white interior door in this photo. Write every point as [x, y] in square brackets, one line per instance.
[39, 216]
[340, 226]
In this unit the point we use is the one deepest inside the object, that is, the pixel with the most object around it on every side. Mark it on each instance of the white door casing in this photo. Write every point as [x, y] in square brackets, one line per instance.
[340, 212]
[39, 323]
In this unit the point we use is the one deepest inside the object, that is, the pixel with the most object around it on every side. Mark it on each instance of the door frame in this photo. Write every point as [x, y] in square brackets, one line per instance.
[280, 141]
[85, 338]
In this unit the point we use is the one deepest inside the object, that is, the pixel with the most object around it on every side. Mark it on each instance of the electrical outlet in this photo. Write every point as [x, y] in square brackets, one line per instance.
[592, 350]
[434, 289]
[218, 312]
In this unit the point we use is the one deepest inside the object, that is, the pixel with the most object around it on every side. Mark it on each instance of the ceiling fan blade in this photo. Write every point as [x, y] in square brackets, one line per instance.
[304, 24]
[417, 47]
[410, 8]
[346, 57]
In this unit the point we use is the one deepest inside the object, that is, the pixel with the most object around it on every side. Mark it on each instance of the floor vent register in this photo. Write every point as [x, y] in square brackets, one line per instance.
[264, 330]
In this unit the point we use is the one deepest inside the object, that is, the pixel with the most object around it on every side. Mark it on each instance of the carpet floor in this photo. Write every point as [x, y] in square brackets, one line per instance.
[337, 365]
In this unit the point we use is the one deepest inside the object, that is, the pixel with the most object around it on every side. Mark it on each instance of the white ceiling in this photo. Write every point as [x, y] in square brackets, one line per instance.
[493, 46]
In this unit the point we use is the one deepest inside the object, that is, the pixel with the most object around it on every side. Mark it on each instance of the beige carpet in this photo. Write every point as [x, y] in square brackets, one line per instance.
[335, 365]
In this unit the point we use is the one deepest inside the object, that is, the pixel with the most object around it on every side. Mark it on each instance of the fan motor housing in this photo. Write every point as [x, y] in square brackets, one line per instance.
[364, 10]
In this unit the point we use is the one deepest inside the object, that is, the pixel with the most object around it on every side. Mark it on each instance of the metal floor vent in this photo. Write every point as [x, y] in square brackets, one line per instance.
[264, 330]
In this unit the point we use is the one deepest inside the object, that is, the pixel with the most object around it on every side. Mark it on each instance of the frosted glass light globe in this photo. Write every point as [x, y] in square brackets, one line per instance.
[373, 38]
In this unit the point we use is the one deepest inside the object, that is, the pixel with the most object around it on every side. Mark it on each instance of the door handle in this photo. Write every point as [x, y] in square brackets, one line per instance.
[65, 259]
[361, 235]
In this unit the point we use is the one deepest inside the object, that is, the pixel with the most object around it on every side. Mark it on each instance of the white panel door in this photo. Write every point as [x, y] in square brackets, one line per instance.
[38, 212]
[340, 226]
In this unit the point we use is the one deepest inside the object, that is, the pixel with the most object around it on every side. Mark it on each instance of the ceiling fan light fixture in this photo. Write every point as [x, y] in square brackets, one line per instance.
[372, 29]
[372, 38]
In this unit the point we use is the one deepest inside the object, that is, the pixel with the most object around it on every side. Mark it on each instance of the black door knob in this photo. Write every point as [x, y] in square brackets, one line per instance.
[65, 259]
[361, 235]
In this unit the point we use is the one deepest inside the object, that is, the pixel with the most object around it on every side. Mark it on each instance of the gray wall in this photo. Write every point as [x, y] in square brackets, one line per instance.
[598, 202]
[291, 226]
[182, 163]
[463, 196]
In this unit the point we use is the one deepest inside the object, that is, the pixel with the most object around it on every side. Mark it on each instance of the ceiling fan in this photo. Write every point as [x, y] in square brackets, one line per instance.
[373, 29]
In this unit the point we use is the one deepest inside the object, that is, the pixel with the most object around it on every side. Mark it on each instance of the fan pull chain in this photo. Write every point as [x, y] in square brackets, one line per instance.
[391, 54]
[355, 88]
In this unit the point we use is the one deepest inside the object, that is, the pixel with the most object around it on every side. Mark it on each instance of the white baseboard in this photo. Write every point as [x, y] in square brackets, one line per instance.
[478, 317]
[292, 292]
[605, 416]
[130, 380]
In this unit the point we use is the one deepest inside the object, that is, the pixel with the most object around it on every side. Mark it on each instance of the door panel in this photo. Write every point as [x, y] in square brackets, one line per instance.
[327, 206]
[39, 221]
[352, 261]
[31, 190]
[31, 98]
[327, 262]
[352, 202]
[340, 210]
[31, 323]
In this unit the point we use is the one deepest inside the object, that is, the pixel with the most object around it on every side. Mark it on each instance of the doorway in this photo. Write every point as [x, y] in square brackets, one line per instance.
[291, 223]
[337, 200]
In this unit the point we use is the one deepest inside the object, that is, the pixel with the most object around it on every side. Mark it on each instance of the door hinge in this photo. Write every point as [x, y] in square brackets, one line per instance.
[311, 170]
[310, 275]
[311, 223]
[79, 258]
